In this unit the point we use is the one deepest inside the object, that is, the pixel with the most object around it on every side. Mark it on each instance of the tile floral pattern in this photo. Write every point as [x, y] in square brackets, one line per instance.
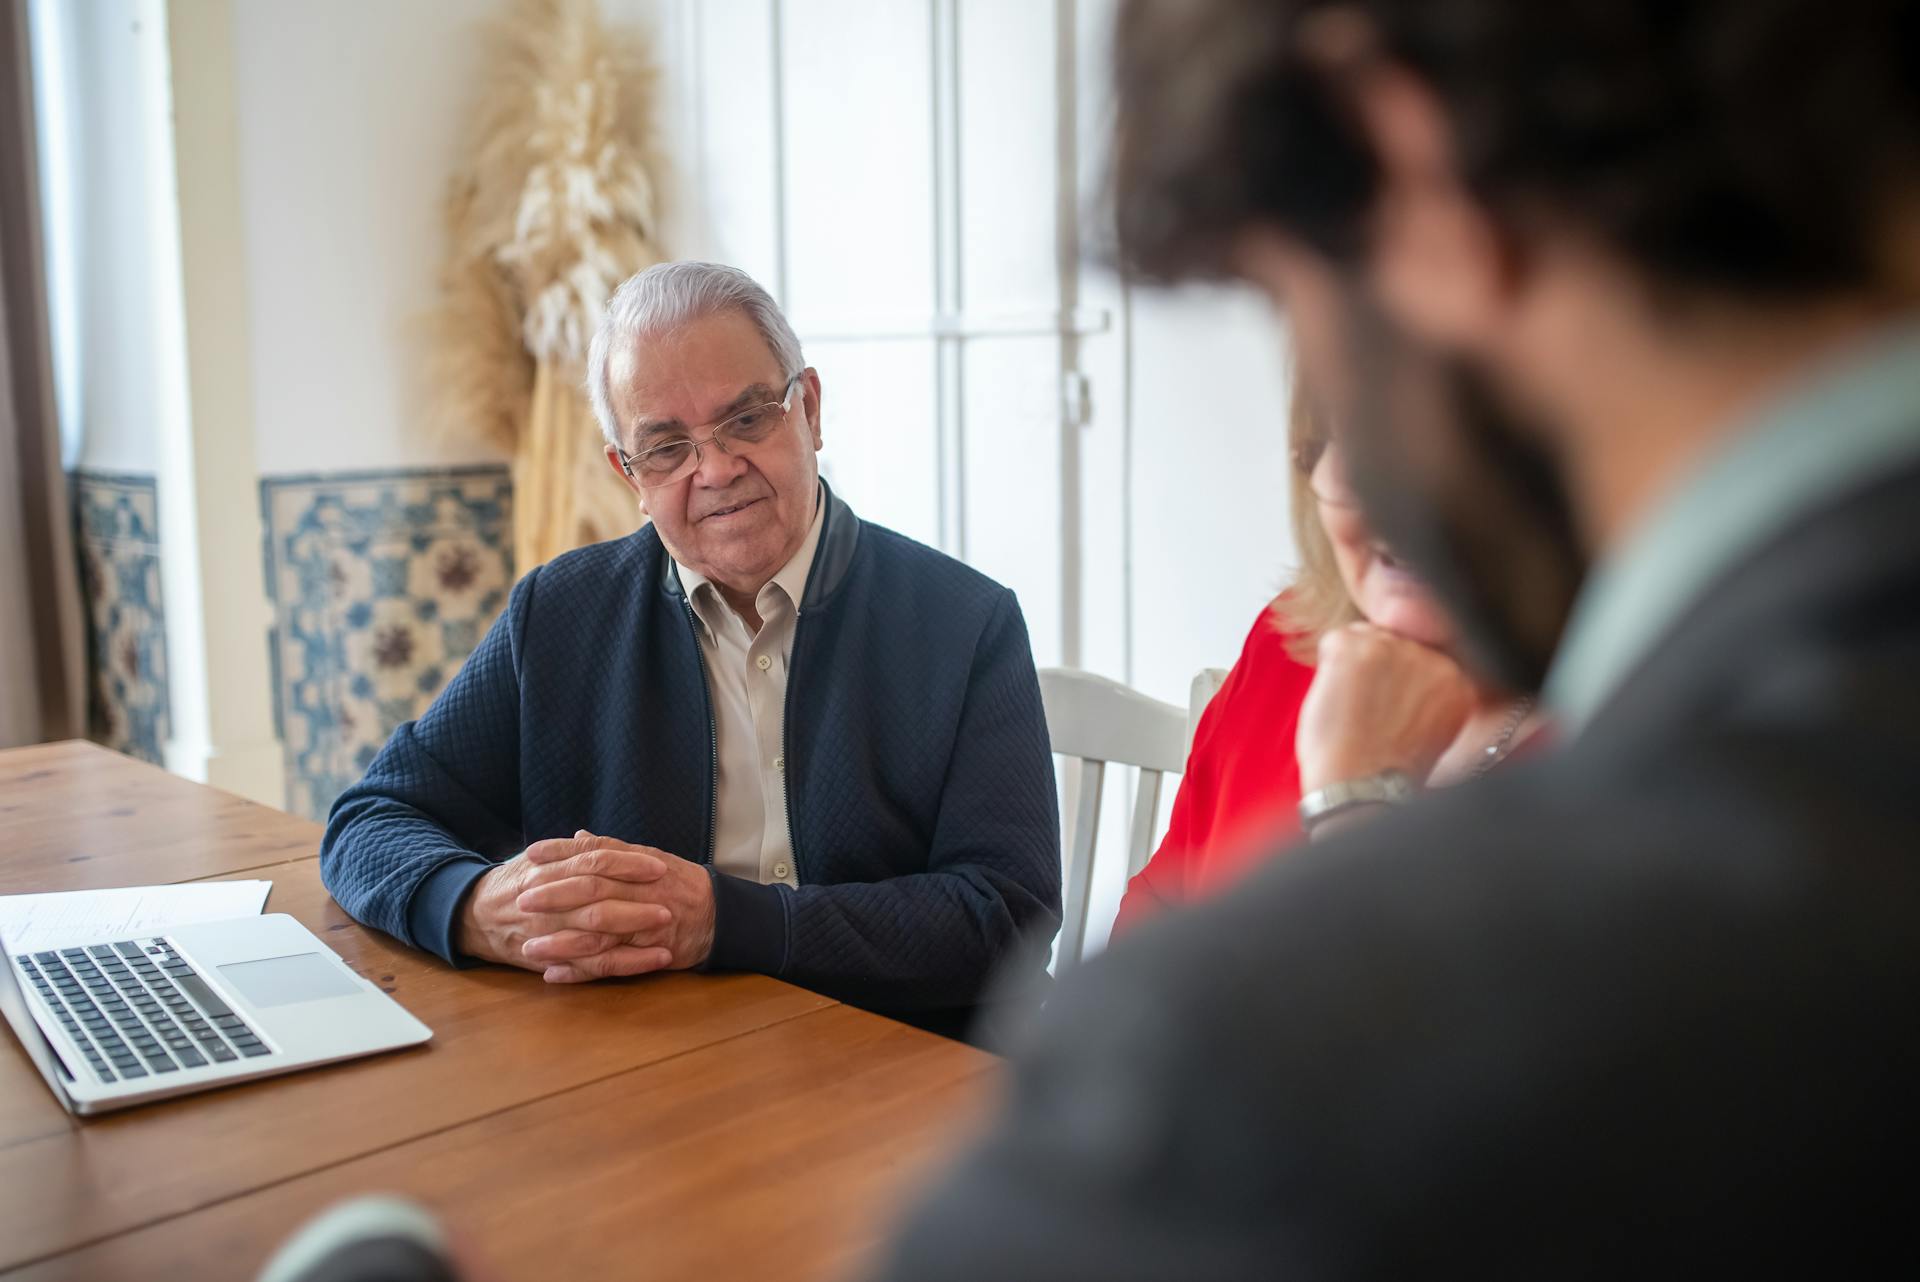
[382, 584]
[117, 536]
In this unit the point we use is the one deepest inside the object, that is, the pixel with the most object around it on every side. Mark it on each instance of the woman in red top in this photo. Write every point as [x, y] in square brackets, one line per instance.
[1349, 665]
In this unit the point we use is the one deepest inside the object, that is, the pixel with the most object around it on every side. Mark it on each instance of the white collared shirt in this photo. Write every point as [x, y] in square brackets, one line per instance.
[747, 684]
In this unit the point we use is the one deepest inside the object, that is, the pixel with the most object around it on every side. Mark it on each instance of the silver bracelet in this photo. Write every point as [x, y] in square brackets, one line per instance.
[1388, 788]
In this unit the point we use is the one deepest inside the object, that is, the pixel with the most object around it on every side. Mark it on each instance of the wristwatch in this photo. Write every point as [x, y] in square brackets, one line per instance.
[1388, 788]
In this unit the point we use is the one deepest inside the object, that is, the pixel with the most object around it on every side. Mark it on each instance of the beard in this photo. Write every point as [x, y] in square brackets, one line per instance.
[1463, 489]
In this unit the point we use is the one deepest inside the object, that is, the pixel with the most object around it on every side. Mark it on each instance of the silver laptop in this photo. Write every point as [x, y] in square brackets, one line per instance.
[120, 1023]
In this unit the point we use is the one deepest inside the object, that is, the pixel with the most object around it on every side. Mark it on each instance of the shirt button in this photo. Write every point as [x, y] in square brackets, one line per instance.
[780, 871]
[779, 763]
[764, 662]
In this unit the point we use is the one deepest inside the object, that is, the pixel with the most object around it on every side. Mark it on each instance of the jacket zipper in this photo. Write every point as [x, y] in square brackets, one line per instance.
[786, 755]
[713, 741]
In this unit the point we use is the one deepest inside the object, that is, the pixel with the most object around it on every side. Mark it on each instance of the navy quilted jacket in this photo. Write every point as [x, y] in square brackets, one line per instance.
[917, 764]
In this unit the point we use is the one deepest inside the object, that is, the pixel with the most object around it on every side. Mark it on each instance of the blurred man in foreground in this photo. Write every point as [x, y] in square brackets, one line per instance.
[1601, 283]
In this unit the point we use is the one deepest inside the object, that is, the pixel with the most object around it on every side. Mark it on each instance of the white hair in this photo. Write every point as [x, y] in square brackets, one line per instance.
[669, 295]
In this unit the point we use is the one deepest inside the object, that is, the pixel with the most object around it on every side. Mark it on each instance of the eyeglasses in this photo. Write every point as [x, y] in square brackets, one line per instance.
[734, 436]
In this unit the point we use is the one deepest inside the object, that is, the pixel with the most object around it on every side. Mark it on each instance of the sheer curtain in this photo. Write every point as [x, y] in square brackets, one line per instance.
[42, 638]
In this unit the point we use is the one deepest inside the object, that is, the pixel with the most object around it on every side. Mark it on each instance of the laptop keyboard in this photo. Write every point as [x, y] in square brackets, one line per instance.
[137, 1009]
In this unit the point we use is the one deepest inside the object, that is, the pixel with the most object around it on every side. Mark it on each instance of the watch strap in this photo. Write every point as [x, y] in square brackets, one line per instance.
[1388, 788]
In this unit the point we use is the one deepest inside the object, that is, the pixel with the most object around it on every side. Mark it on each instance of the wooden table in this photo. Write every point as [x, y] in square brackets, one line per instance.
[678, 1126]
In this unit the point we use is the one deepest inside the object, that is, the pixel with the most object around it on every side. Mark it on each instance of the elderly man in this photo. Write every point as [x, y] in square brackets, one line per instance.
[759, 734]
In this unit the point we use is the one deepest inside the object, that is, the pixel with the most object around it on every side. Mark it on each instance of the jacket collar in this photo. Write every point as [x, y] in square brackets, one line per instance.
[839, 537]
[1809, 589]
[1846, 422]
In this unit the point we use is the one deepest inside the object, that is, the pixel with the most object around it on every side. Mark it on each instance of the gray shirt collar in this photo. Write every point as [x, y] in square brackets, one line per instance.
[1855, 418]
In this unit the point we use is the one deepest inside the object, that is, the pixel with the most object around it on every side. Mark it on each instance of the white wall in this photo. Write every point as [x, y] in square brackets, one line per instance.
[114, 291]
[348, 116]
[351, 120]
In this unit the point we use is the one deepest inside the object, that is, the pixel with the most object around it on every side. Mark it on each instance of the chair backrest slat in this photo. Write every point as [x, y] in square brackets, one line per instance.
[1077, 880]
[1206, 684]
[1094, 721]
[1146, 808]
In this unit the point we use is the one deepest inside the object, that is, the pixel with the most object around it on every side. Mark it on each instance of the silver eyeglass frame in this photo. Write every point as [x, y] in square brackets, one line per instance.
[715, 435]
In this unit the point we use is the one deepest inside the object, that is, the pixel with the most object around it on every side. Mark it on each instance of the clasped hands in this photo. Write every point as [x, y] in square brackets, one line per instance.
[586, 907]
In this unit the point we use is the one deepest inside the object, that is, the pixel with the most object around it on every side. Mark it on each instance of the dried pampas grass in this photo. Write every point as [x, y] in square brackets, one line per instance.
[552, 210]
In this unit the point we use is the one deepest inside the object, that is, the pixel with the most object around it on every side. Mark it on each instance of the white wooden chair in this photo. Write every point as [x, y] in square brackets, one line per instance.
[1094, 722]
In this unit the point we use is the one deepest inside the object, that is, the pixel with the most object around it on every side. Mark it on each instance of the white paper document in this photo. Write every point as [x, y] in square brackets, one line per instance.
[35, 923]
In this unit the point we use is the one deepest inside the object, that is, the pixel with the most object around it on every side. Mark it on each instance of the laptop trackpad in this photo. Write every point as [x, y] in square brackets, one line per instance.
[278, 981]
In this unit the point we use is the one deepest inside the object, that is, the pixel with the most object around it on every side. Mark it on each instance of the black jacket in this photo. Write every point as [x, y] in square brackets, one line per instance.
[1646, 1007]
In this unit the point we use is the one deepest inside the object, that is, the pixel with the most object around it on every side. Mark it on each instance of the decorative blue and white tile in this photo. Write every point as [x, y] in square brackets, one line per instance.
[117, 528]
[382, 584]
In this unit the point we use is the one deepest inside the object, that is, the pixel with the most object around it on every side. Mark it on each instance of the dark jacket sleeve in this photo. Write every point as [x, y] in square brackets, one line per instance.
[439, 804]
[991, 891]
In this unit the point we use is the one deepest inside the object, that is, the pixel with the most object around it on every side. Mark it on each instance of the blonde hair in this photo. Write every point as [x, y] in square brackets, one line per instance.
[1317, 601]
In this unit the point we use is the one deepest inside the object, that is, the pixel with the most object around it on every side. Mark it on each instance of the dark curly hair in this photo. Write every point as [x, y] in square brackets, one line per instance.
[1756, 147]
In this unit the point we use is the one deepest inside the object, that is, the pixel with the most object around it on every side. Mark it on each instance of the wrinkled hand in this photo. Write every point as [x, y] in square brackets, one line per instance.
[610, 908]
[494, 927]
[1378, 702]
